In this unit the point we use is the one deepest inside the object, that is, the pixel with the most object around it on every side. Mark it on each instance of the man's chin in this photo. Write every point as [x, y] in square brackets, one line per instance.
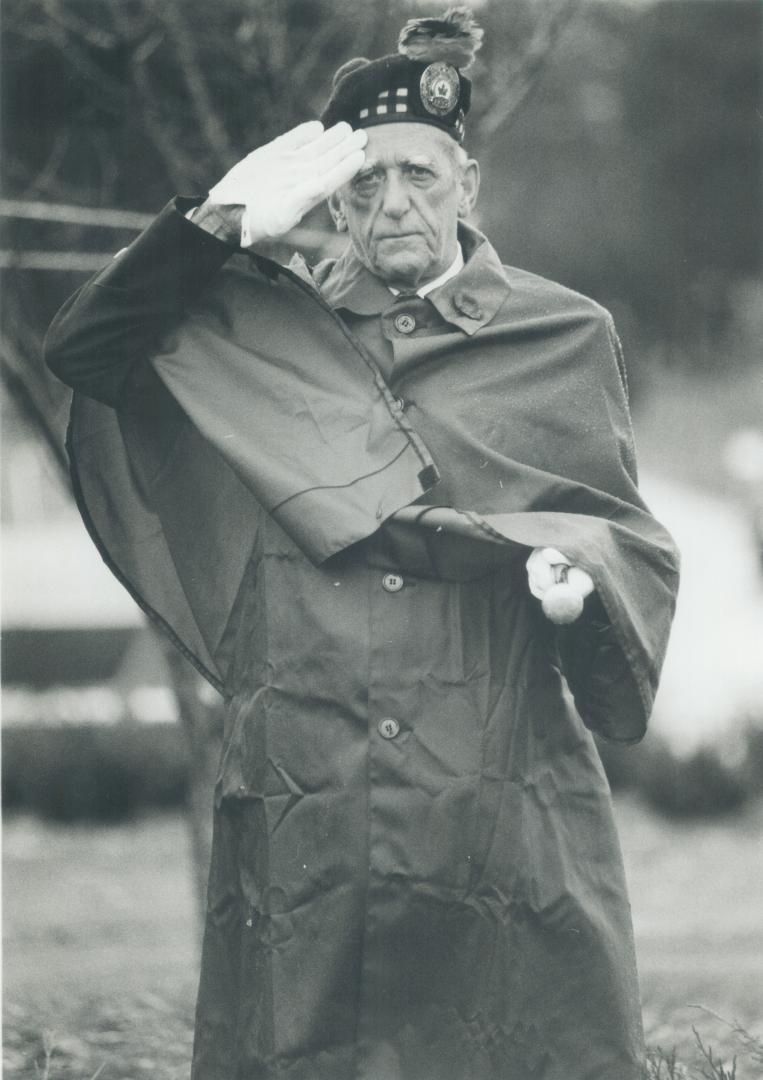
[402, 272]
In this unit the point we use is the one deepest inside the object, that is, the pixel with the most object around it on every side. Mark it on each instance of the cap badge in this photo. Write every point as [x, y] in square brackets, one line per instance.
[439, 88]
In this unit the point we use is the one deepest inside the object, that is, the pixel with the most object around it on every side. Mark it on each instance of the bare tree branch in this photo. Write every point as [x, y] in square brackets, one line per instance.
[85, 262]
[74, 215]
[27, 388]
[209, 120]
[201, 717]
[110, 90]
[47, 174]
[88, 262]
[134, 29]
[93, 35]
[509, 89]
[302, 73]
[313, 61]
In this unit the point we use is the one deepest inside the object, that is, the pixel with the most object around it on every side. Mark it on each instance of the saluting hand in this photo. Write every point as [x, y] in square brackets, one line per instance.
[271, 189]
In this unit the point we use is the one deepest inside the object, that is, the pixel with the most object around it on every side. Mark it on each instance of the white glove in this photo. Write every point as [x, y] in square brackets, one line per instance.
[561, 593]
[541, 573]
[279, 182]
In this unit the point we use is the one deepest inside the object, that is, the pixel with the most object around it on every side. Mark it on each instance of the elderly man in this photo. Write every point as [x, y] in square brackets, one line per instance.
[329, 485]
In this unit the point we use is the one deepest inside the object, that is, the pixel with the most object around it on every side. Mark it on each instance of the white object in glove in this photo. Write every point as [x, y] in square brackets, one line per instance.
[279, 182]
[560, 586]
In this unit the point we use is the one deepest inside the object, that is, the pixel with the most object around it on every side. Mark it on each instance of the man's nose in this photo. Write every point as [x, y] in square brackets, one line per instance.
[396, 200]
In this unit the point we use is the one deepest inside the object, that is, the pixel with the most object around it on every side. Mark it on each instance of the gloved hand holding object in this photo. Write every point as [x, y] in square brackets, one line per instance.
[560, 586]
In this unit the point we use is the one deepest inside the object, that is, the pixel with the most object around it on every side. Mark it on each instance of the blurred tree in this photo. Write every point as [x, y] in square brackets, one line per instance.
[631, 173]
[636, 174]
[121, 104]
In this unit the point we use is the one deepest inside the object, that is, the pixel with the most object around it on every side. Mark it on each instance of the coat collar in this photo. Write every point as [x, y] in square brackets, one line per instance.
[470, 300]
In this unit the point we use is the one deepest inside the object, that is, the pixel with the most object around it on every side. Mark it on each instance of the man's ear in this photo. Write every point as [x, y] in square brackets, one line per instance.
[470, 186]
[336, 209]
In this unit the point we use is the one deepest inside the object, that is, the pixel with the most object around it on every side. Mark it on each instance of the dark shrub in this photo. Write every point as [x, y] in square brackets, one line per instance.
[75, 773]
[702, 783]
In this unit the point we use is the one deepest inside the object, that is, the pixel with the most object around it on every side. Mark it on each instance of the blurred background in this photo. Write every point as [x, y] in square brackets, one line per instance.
[621, 155]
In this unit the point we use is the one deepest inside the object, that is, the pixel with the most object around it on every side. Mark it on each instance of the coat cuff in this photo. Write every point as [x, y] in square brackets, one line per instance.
[186, 255]
[599, 675]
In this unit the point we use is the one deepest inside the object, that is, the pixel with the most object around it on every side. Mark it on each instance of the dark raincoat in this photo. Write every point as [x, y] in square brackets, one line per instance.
[415, 871]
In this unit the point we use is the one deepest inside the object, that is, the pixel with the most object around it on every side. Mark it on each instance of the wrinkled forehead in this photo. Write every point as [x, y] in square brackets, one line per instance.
[390, 144]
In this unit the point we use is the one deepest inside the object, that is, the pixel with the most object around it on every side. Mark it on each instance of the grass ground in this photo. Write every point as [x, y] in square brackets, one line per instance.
[100, 942]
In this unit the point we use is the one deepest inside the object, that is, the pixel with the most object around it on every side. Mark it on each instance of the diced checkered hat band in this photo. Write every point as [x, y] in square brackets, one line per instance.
[395, 88]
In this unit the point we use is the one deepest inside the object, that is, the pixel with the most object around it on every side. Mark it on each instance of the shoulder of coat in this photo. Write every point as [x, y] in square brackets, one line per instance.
[535, 291]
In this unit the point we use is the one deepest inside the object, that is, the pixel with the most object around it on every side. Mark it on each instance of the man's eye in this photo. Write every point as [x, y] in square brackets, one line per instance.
[365, 182]
[420, 172]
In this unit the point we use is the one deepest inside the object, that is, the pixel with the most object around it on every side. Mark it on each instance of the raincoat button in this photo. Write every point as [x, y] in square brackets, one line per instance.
[468, 306]
[392, 582]
[388, 727]
[405, 324]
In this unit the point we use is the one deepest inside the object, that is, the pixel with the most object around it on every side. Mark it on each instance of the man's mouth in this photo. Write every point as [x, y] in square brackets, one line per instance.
[398, 236]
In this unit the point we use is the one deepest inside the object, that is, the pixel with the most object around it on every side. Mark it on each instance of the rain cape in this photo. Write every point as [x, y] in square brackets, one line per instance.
[447, 904]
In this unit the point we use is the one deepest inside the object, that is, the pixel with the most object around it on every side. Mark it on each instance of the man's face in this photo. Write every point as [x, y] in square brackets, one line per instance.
[401, 209]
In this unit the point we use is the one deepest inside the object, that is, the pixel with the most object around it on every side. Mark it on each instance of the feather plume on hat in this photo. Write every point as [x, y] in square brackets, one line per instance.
[454, 38]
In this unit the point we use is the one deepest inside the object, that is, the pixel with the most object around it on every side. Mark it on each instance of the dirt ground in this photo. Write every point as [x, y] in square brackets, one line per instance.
[100, 941]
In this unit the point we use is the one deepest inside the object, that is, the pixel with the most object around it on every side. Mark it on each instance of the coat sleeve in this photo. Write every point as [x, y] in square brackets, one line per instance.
[599, 676]
[115, 320]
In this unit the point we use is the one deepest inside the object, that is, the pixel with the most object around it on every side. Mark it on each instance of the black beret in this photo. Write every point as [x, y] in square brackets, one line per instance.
[422, 82]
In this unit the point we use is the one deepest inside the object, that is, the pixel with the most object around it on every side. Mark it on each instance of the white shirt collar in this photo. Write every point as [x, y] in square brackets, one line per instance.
[446, 275]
